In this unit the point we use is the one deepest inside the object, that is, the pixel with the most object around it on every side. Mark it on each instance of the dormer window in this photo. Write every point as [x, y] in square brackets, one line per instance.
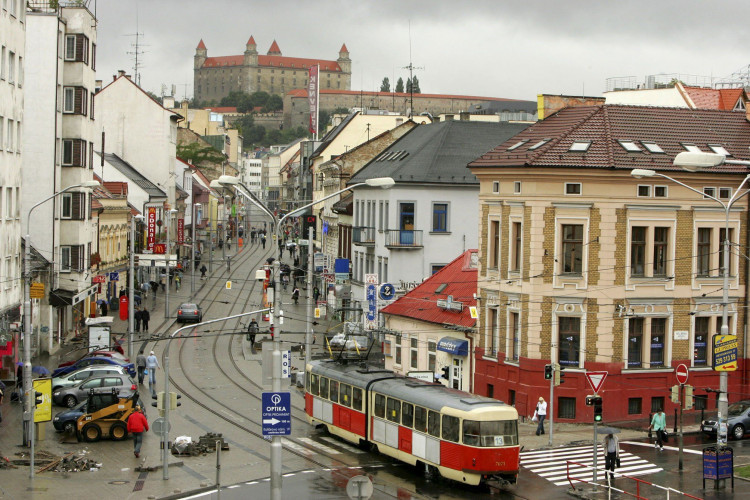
[719, 149]
[580, 146]
[517, 145]
[539, 144]
[652, 147]
[692, 148]
[630, 146]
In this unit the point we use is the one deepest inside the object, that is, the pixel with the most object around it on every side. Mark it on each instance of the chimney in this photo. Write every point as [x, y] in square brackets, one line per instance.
[97, 86]
[120, 73]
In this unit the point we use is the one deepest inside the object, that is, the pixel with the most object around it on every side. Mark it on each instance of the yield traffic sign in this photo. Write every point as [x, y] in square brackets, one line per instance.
[596, 379]
[682, 373]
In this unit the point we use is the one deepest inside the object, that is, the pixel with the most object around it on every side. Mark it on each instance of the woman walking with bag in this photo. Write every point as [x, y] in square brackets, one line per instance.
[659, 426]
[539, 414]
[612, 454]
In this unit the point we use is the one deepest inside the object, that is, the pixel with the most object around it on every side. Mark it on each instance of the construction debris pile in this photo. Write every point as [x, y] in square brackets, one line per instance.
[184, 445]
[49, 462]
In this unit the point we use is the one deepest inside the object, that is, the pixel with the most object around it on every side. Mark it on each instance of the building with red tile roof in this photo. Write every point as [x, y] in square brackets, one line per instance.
[430, 329]
[680, 95]
[215, 77]
[591, 265]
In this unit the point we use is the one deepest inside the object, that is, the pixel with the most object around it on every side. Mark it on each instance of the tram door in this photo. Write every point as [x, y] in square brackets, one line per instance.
[456, 373]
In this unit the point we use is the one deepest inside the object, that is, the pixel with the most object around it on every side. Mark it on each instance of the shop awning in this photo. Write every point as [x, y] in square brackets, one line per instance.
[61, 298]
[457, 347]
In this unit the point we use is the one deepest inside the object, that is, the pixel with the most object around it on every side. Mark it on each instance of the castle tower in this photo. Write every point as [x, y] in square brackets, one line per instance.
[274, 50]
[251, 52]
[201, 53]
[344, 62]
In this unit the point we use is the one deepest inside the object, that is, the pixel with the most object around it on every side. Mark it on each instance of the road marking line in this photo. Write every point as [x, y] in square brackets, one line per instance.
[673, 448]
[346, 446]
[321, 447]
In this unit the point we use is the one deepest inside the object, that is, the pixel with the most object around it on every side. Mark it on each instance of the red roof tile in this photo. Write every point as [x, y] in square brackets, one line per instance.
[275, 61]
[604, 125]
[117, 188]
[343, 49]
[201, 45]
[212, 62]
[421, 303]
[274, 49]
[729, 97]
[703, 98]
[251, 41]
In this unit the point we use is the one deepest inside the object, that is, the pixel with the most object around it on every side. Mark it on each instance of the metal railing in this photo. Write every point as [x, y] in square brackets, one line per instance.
[363, 235]
[397, 238]
[639, 483]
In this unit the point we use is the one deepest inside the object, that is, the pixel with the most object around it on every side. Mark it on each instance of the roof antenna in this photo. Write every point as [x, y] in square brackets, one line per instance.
[411, 69]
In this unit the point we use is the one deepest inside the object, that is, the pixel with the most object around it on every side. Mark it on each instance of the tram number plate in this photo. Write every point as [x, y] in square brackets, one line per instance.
[499, 441]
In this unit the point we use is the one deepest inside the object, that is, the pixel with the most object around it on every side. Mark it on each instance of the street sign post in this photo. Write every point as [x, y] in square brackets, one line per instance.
[596, 379]
[276, 413]
[681, 372]
[160, 426]
[387, 291]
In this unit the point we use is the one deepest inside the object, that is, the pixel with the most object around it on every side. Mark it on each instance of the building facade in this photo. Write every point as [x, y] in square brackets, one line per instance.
[12, 124]
[215, 77]
[584, 265]
[59, 142]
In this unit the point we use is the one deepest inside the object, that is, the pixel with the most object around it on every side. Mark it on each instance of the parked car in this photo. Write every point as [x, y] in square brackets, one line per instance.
[738, 421]
[84, 373]
[96, 360]
[65, 421]
[71, 396]
[99, 353]
[189, 312]
[350, 342]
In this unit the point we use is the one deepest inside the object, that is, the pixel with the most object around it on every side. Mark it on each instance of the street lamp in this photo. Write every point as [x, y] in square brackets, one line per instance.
[693, 162]
[28, 412]
[192, 246]
[131, 284]
[383, 182]
[166, 399]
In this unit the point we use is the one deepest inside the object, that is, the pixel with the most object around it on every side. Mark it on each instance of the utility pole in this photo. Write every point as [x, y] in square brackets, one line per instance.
[310, 282]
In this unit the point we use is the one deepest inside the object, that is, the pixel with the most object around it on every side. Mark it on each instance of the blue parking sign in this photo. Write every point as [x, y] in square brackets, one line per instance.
[114, 276]
[276, 413]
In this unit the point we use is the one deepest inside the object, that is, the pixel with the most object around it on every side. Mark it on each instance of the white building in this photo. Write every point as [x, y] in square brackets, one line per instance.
[58, 142]
[407, 233]
[12, 84]
[250, 173]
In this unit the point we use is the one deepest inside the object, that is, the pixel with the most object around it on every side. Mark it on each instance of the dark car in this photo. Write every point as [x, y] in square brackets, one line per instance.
[189, 312]
[738, 421]
[71, 396]
[65, 421]
[95, 360]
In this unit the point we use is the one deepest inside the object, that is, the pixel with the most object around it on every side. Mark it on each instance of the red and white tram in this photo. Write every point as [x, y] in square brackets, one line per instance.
[467, 438]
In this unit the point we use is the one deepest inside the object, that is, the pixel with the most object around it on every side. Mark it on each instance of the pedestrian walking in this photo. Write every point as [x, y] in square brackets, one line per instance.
[152, 363]
[295, 295]
[659, 426]
[178, 281]
[137, 425]
[145, 318]
[285, 281]
[140, 364]
[263, 240]
[316, 295]
[104, 308]
[203, 271]
[539, 415]
[163, 281]
[144, 290]
[252, 331]
[612, 457]
[229, 263]
[229, 243]
[137, 316]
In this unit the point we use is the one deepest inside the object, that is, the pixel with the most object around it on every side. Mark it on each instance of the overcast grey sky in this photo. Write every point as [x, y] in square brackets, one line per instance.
[515, 49]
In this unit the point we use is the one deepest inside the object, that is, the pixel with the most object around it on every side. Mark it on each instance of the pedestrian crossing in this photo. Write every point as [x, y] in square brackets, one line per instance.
[552, 464]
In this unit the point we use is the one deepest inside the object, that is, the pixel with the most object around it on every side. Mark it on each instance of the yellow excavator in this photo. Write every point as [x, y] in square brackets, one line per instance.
[107, 415]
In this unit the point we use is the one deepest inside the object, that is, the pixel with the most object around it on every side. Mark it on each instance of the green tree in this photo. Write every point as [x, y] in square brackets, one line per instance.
[274, 104]
[154, 96]
[198, 153]
[244, 124]
[415, 85]
[408, 86]
[254, 135]
[273, 136]
[386, 85]
[400, 84]
[259, 98]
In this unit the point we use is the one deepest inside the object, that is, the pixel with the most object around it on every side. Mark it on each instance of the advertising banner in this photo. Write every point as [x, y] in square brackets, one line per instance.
[312, 98]
[151, 237]
[371, 309]
[180, 231]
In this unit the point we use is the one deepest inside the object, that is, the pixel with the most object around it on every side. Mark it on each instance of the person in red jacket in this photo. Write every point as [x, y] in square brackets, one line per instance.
[137, 425]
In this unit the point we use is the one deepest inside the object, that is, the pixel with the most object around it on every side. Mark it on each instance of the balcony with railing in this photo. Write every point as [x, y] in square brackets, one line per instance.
[363, 236]
[403, 238]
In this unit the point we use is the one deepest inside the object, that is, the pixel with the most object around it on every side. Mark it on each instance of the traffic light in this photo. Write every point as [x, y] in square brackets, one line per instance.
[590, 400]
[135, 261]
[173, 400]
[689, 397]
[547, 372]
[159, 403]
[597, 408]
[675, 394]
[307, 222]
[446, 372]
[38, 399]
[559, 375]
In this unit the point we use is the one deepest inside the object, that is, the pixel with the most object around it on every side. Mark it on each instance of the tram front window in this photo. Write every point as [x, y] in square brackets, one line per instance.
[490, 434]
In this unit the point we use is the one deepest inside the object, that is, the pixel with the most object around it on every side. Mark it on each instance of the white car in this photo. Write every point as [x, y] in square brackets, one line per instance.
[82, 374]
[349, 342]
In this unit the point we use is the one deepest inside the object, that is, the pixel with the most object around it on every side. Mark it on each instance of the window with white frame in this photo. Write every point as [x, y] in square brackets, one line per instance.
[573, 188]
[397, 349]
[709, 254]
[704, 329]
[66, 206]
[649, 250]
[492, 332]
[494, 245]
[70, 47]
[65, 263]
[514, 335]
[440, 217]
[3, 62]
[18, 136]
[9, 136]
[647, 342]
[69, 99]
[431, 355]
[517, 187]
[385, 270]
[11, 67]
[2, 136]
[9, 203]
[571, 249]
[515, 250]
[495, 187]
[568, 340]
[414, 353]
